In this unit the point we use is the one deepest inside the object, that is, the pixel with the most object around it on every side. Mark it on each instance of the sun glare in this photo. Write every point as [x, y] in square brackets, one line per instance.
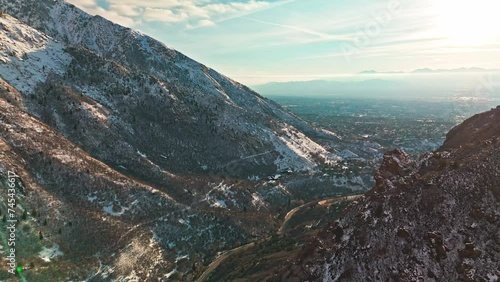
[466, 22]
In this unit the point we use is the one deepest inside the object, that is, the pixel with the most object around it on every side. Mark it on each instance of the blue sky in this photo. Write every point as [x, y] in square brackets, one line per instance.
[258, 41]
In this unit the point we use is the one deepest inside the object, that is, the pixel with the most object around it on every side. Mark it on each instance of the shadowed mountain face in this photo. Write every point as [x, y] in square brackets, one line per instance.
[435, 218]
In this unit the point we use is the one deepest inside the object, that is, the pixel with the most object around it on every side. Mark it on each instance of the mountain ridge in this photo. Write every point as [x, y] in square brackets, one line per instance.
[203, 86]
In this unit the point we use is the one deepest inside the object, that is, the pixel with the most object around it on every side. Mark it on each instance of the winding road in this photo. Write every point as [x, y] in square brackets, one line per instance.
[287, 218]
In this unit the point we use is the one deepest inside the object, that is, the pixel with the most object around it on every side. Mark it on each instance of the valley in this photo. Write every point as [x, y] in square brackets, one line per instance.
[137, 163]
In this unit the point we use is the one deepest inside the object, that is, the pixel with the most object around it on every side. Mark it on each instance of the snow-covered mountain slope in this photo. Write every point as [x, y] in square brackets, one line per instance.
[145, 97]
[27, 56]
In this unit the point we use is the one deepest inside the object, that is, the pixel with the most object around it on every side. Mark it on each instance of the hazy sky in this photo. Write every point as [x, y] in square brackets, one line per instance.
[256, 41]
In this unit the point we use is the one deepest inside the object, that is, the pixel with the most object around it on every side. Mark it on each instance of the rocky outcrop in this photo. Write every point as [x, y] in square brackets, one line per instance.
[436, 218]
[480, 127]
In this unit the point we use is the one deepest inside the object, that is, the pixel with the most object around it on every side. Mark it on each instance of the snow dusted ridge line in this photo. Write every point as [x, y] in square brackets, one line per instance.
[27, 56]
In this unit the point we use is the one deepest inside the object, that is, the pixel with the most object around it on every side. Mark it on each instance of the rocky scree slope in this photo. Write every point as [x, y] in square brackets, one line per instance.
[432, 219]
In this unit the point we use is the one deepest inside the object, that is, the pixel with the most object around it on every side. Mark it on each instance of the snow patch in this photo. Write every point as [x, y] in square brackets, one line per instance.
[28, 56]
[298, 152]
[91, 198]
[48, 254]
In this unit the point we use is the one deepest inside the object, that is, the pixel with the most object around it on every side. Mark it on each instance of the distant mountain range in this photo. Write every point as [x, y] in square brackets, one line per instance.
[372, 87]
[376, 72]
[428, 70]
[421, 83]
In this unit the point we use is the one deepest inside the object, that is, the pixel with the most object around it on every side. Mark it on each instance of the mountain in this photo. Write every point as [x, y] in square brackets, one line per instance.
[368, 72]
[430, 85]
[459, 70]
[129, 161]
[139, 91]
[377, 72]
[428, 70]
[133, 160]
[435, 218]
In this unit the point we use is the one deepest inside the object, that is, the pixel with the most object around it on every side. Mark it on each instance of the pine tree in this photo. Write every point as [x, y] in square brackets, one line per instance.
[25, 215]
[40, 235]
[4, 218]
[44, 222]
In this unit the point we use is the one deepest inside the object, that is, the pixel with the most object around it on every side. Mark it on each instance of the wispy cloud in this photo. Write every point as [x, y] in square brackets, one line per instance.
[321, 35]
[190, 13]
[266, 40]
[124, 15]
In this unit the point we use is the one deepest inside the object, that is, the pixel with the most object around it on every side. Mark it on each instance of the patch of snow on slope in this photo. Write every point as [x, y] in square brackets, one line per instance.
[220, 195]
[115, 208]
[257, 201]
[299, 152]
[47, 254]
[492, 277]
[27, 56]
[132, 277]
[91, 197]
[331, 133]
[95, 112]
[112, 209]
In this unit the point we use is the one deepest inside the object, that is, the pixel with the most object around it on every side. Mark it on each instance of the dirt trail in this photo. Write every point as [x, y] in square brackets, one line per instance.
[287, 218]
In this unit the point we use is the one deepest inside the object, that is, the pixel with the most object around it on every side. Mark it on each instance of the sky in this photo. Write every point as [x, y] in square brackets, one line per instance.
[259, 41]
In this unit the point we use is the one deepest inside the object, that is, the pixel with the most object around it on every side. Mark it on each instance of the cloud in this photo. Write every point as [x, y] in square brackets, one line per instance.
[121, 15]
[164, 15]
[190, 13]
[321, 35]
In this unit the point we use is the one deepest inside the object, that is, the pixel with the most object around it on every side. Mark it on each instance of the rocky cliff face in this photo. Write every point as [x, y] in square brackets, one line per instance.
[436, 218]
